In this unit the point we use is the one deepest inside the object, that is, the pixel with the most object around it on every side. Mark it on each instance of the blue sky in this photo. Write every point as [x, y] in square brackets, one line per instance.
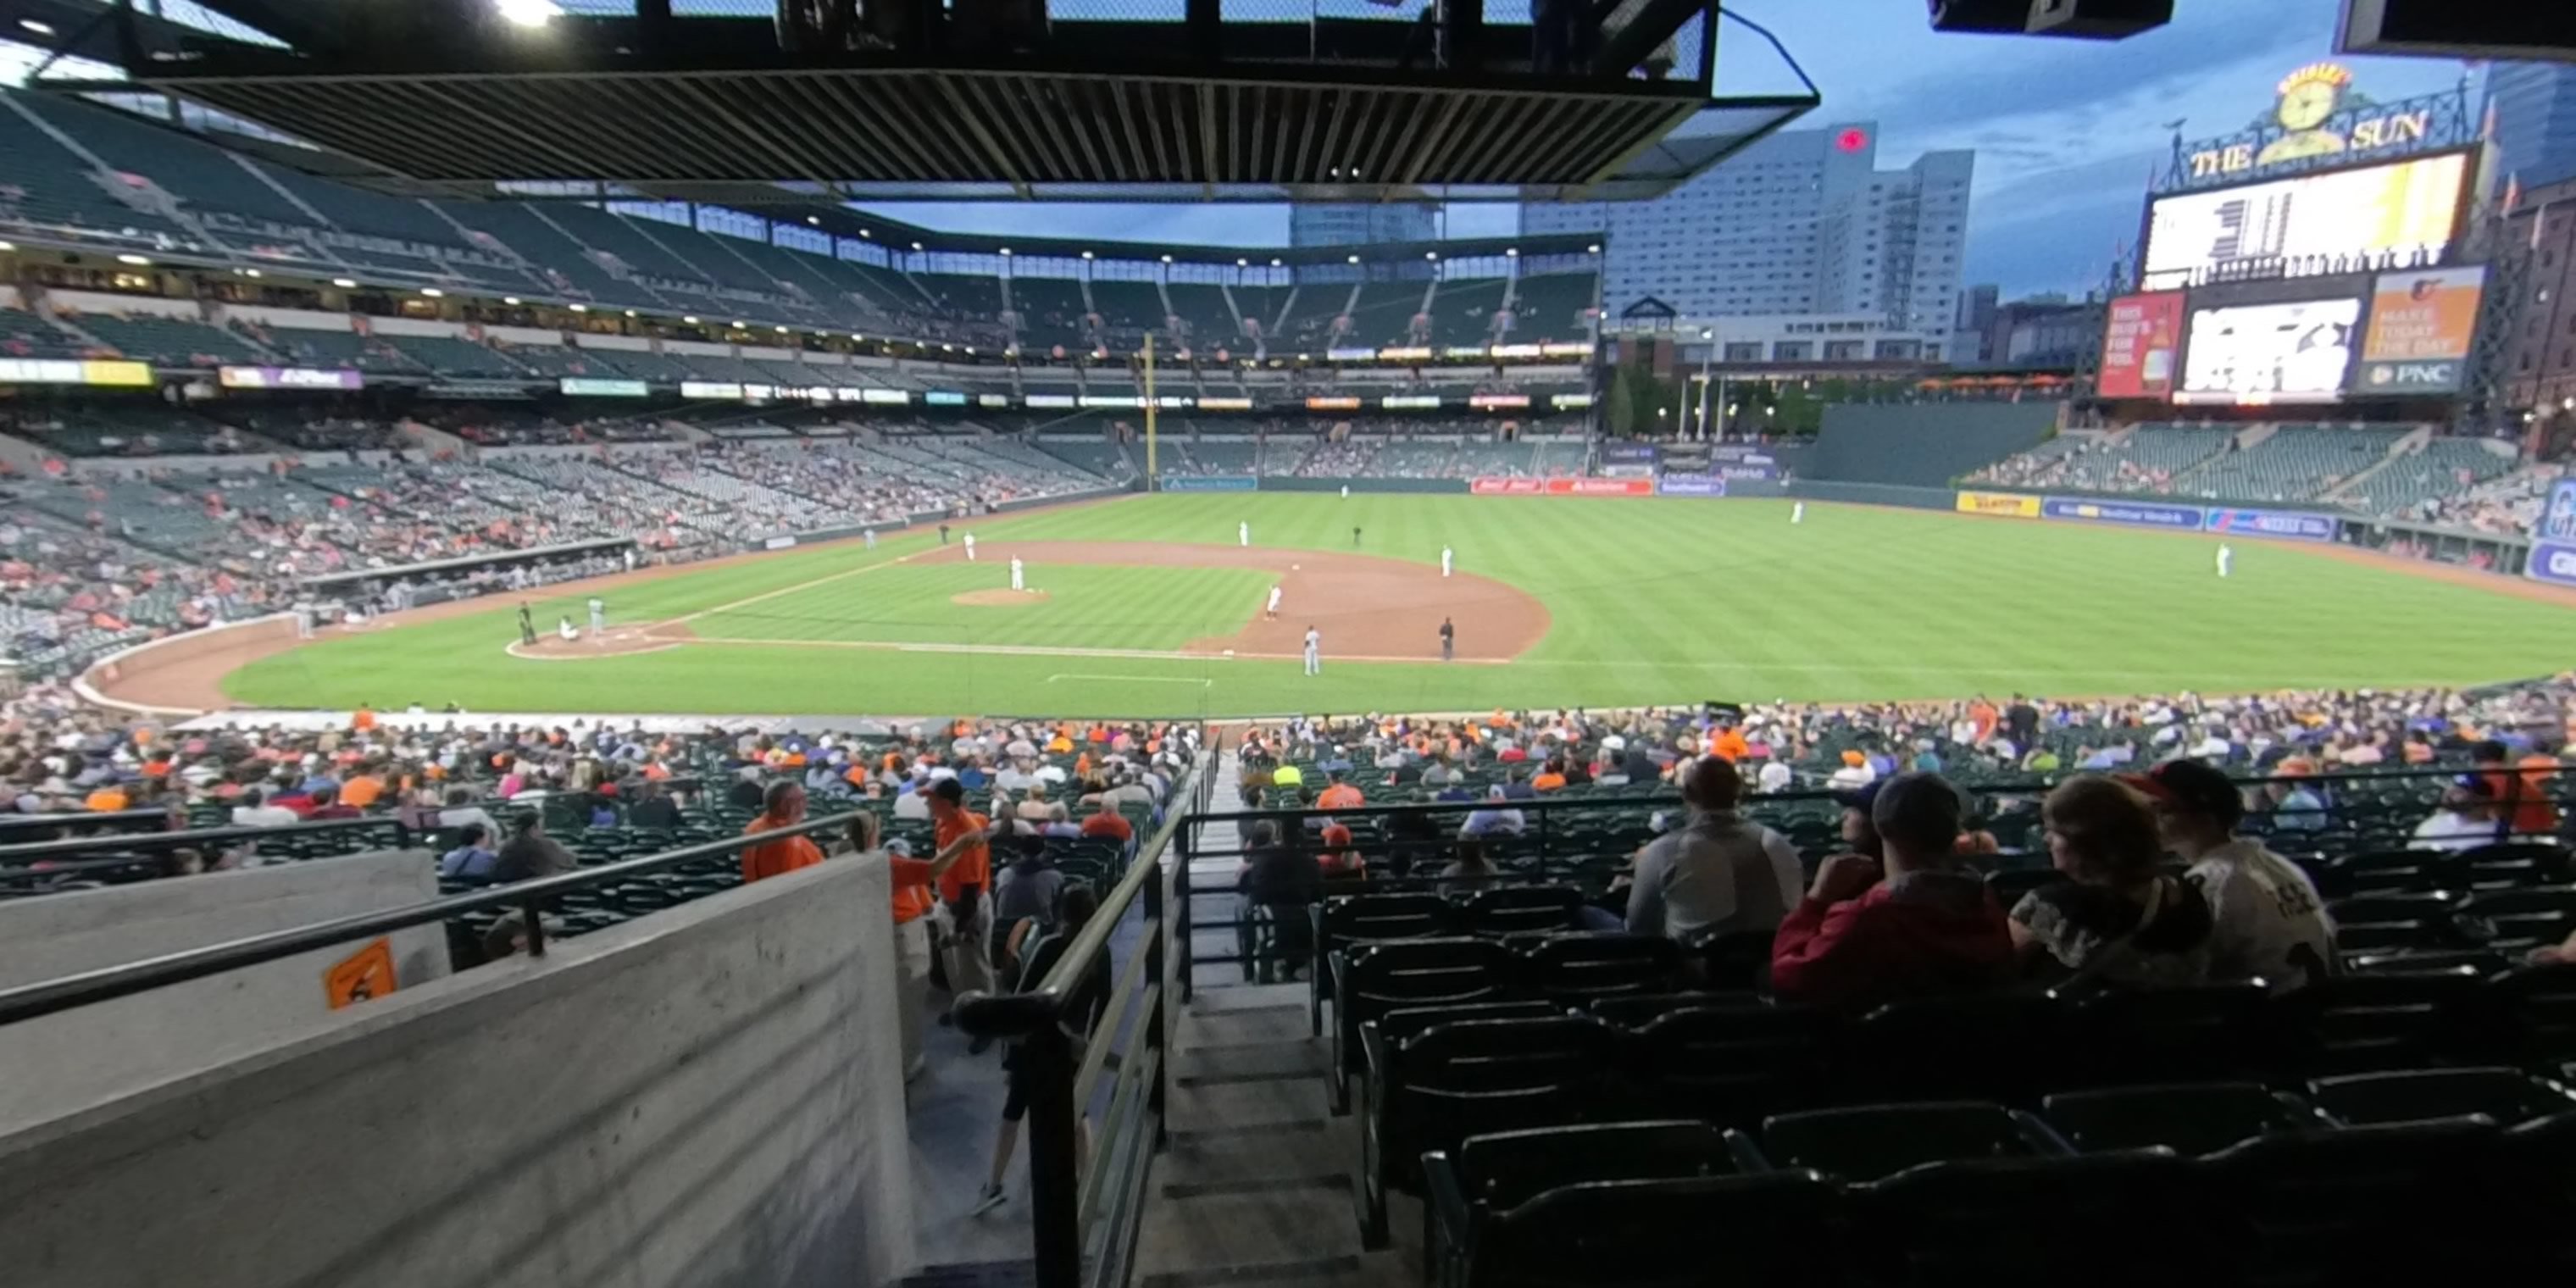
[2065, 131]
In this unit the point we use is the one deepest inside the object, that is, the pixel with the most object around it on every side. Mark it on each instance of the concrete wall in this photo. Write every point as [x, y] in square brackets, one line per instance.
[709, 1095]
[77, 1059]
[1922, 444]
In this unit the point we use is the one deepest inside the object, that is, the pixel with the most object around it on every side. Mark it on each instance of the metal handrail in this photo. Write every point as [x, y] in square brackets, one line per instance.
[46, 997]
[73, 847]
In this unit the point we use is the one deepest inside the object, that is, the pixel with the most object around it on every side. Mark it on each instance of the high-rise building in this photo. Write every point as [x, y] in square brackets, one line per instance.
[2535, 120]
[1312, 224]
[1802, 222]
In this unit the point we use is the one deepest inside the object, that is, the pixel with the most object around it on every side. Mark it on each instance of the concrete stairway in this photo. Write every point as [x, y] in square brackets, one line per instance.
[1258, 1181]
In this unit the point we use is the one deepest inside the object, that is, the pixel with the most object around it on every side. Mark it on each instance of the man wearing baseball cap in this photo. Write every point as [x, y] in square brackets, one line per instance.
[2466, 820]
[2268, 922]
[1916, 923]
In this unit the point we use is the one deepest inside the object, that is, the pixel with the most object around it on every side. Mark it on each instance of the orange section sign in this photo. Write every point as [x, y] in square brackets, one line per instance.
[365, 974]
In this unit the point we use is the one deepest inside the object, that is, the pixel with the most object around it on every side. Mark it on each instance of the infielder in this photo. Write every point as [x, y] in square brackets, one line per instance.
[598, 616]
[1019, 580]
[871, 536]
[1314, 652]
[1447, 555]
[970, 547]
[2226, 556]
[565, 628]
[1243, 534]
[527, 626]
[1272, 612]
[1798, 512]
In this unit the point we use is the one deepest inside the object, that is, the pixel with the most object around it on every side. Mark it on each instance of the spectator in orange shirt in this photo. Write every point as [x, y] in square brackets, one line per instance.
[364, 720]
[784, 806]
[1729, 745]
[1337, 858]
[966, 944]
[1106, 823]
[2522, 800]
[364, 788]
[106, 798]
[1550, 776]
[1339, 795]
[912, 879]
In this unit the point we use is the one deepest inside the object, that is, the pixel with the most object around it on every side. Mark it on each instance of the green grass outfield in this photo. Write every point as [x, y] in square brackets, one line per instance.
[1664, 600]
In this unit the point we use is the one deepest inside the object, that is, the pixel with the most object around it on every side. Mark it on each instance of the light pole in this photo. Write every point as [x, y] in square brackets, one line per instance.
[1707, 352]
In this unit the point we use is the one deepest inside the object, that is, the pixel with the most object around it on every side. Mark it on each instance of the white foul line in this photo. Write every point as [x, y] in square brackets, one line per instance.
[1157, 679]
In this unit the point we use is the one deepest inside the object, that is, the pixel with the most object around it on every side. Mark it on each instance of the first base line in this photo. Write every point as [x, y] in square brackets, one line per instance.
[1153, 679]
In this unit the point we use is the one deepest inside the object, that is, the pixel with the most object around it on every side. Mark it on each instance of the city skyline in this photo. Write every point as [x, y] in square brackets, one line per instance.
[2067, 133]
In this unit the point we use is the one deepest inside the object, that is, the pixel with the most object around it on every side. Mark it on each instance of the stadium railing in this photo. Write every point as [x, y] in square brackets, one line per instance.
[1084, 1224]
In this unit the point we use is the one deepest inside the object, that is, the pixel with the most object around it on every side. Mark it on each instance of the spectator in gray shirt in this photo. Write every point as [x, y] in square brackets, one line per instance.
[1718, 873]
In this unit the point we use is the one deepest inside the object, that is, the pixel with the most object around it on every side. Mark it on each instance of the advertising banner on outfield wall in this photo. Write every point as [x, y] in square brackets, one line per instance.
[1600, 487]
[2134, 514]
[1211, 483]
[2005, 504]
[2553, 562]
[1628, 453]
[1508, 487]
[1690, 485]
[2293, 525]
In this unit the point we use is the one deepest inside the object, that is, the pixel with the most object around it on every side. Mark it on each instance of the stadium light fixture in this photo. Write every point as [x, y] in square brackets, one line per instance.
[948, 348]
[1006, 252]
[1355, 259]
[866, 233]
[41, 28]
[511, 300]
[1593, 249]
[1167, 259]
[2567, 404]
[970, 349]
[856, 336]
[1086, 254]
[247, 272]
[781, 330]
[740, 325]
[345, 283]
[7, 246]
[816, 220]
[1274, 261]
[581, 308]
[1431, 254]
[692, 321]
[916, 245]
[433, 292]
[137, 260]
[1511, 252]
[630, 313]
[527, 13]
[1242, 263]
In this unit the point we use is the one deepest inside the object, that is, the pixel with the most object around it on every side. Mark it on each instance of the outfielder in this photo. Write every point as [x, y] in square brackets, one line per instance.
[1446, 556]
[871, 537]
[1243, 534]
[1798, 512]
[1314, 652]
[2226, 556]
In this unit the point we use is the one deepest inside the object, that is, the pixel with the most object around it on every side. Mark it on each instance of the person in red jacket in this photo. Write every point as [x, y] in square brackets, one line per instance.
[1917, 923]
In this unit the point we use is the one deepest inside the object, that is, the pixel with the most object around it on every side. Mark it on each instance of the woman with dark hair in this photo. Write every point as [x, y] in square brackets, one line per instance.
[2120, 916]
[1083, 1006]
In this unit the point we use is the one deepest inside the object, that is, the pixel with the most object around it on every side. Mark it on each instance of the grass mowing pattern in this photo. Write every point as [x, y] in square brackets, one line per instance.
[1086, 606]
[1665, 600]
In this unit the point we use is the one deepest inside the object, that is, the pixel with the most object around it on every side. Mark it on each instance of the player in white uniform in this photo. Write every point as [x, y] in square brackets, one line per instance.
[1019, 578]
[1243, 534]
[1346, 491]
[1447, 556]
[1272, 612]
[871, 535]
[1797, 512]
[1314, 652]
[2226, 556]
[970, 547]
[598, 615]
[565, 628]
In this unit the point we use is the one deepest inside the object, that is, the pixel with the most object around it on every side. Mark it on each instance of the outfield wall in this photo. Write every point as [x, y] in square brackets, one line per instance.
[709, 1095]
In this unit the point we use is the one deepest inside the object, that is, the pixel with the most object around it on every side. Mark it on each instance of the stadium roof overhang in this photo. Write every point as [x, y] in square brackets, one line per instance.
[714, 110]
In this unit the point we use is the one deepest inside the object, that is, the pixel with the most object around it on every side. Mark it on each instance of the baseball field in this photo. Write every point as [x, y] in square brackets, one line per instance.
[1152, 605]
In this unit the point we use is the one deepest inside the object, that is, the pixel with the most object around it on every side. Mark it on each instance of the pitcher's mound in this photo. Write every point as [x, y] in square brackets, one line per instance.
[999, 598]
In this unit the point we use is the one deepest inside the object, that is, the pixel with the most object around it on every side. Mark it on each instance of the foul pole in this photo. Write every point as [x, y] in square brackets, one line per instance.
[1151, 403]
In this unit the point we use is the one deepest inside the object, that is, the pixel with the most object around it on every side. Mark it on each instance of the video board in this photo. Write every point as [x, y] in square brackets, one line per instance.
[2253, 354]
[2392, 215]
[2421, 327]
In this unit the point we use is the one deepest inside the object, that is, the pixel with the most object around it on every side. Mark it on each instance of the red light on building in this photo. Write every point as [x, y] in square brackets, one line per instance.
[1851, 140]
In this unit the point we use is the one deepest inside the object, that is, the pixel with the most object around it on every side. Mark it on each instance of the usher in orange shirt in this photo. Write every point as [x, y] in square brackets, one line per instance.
[779, 857]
